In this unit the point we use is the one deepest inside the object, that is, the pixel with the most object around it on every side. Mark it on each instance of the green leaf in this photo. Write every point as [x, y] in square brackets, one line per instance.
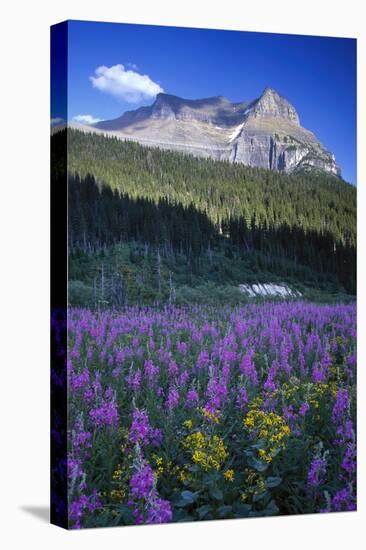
[224, 510]
[126, 513]
[258, 465]
[204, 510]
[259, 496]
[271, 509]
[216, 493]
[242, 510]
[261, 443]
[273, 482]
[189, 496]
[186, 498]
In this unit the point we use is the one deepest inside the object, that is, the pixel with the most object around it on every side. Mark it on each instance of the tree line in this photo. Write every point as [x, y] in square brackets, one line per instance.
[220, 189]
[100, 216]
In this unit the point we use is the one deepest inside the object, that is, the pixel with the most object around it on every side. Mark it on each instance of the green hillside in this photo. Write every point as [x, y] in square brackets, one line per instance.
[147, 225]
[219, 188]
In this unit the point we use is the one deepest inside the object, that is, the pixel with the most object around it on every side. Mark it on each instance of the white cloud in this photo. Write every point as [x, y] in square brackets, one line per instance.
[86, 119]
[57, 120]
[125, 84]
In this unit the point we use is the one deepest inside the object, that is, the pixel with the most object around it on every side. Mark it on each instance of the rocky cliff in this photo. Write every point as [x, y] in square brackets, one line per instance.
[264, 133]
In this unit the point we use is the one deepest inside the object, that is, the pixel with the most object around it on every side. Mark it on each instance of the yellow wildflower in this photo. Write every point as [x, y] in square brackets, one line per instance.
[213, 416]
[263, 455]
[118, 494]
[229, 475]
[207, 451]
[159, 463]
[269, 427]
[116, 476]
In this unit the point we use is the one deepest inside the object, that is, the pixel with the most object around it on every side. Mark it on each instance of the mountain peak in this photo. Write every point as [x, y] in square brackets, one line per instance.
[164, 97]
[272, 105]
[265, 132]
[166, 106]
[269, 91]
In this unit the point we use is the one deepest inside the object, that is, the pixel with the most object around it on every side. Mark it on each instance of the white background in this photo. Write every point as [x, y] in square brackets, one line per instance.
[24, 260]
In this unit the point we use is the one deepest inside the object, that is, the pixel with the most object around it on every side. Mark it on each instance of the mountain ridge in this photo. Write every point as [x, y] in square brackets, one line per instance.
[265, 132]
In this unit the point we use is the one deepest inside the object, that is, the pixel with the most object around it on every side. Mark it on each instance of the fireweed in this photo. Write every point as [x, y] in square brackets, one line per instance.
[145, 502]
[212, 404]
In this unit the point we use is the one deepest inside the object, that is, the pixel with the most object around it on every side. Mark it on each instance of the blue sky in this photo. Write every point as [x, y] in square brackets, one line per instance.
[317, 75]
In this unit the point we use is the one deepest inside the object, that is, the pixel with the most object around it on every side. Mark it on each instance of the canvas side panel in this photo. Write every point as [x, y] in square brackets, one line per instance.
[59, 515]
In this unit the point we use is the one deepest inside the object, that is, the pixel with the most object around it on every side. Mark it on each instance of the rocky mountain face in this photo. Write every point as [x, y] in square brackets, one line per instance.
[265, 132]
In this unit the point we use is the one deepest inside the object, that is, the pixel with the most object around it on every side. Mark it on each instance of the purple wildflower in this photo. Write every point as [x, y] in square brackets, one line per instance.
[202, 360]
[343, 500]
[79, 381]
[270, 385]
[156, 437]
[345, 433]
[75, 473]
[349, 459]
[172, 399]
[151, 371]
[288, 413]
[304, 408]
[159, 510]
[172, 368]
[317, 471]
[182, 347]
[184, 377]
[133, 379]
[241, 398]
[318, 374]
[105, 415]
[81, 506]
[192, 397]
[247, 367]
[340, 406]
[217, 392]
[142, 482]
[140, 427]
[116, 372]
